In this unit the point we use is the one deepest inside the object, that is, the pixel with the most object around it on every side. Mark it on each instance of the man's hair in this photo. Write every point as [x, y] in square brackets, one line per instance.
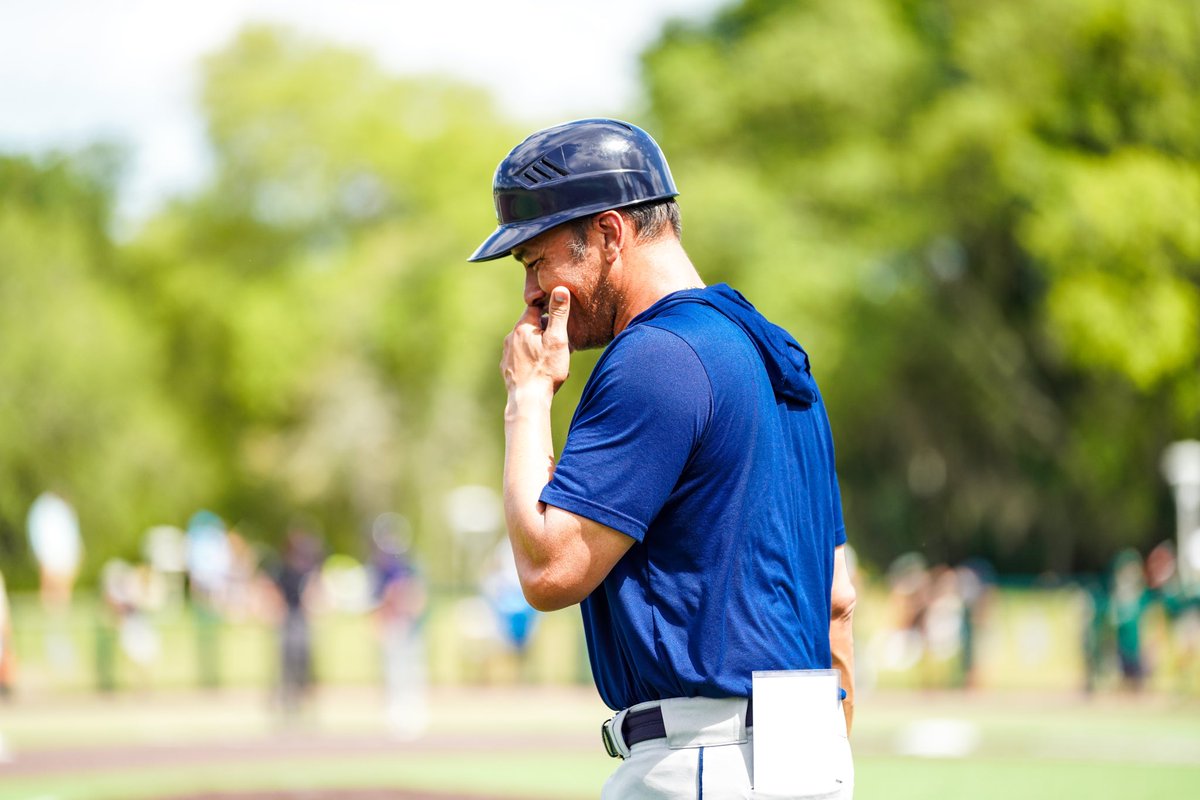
[649, 220]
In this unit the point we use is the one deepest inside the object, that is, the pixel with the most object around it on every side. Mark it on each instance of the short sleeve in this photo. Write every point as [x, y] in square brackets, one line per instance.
[642, 413]
[835, 489]
[839, 523]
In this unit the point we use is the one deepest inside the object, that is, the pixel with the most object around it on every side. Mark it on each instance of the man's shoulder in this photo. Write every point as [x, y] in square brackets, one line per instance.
[716, 341]
[651, 361]
[689, 336]
[667, 337]
[695, 324]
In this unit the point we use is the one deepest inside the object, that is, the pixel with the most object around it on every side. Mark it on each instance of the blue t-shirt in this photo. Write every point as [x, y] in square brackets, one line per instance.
[701, 435]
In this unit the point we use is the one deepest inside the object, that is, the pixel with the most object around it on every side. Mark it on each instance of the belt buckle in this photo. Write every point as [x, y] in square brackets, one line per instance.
[609, 738]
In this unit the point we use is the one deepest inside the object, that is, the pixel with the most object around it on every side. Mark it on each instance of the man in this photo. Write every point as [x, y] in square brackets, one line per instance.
[694, 511]
[57, 546]
[7, 661]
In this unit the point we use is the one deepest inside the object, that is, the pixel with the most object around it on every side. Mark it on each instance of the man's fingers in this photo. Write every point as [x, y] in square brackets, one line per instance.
[532, 316]
[560, 309]
[534, 353]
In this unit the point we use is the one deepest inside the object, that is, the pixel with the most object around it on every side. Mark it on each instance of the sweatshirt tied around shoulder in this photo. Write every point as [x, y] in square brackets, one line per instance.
[785, 360]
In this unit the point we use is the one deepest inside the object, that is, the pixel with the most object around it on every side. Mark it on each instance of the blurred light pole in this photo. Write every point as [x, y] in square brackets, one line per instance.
[475, 514]
[1181, 466]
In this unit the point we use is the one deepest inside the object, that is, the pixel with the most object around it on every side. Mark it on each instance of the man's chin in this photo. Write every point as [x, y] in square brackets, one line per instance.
[588, 344]
[587, 336]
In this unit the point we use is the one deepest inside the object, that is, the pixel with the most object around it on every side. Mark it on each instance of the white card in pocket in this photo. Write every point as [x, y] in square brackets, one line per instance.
[795, 721]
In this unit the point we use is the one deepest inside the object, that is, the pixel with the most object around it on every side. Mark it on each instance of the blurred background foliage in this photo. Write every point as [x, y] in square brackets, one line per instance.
[982, 220]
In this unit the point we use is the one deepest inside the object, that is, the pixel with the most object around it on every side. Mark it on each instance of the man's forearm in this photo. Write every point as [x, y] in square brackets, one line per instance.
[528, 466]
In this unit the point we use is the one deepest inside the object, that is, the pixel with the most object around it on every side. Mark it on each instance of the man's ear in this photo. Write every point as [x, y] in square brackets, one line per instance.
[614, 232]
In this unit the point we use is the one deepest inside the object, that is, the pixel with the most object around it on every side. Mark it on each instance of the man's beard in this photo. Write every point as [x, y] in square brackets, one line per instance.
[594, 320]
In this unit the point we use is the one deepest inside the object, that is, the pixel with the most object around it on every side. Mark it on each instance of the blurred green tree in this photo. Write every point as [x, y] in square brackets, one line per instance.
[81, 409]
[300, 339]
[994, 261]
[323, 326]
[984, 220]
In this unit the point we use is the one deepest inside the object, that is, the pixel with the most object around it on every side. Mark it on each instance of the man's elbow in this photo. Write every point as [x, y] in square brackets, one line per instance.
[547, 591]
[842, 600]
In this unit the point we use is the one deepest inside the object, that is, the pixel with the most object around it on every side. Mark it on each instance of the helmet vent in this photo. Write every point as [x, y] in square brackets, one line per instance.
[548, 164]
[543, 171]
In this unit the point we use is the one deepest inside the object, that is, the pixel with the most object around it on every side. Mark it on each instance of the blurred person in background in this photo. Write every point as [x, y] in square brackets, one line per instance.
[131, 594]
[108, 626]
[1094, 629]
[295, 578]
[8, 662]
[240, 596]
[208, 563]
[976, 585]
[400, 603]
[58, 547]
[902, 640]
[1182, 612]
[165, 549]
[516, 619]
[942, 627]
[1130, 599]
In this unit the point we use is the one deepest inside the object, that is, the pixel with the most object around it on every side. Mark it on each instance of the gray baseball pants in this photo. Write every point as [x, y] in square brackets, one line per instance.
[706, 755]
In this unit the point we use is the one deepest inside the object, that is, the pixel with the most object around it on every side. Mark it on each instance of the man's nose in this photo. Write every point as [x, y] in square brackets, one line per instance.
[533, 292]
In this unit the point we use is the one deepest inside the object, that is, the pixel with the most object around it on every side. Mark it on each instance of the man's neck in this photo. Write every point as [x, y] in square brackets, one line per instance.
[651, 271]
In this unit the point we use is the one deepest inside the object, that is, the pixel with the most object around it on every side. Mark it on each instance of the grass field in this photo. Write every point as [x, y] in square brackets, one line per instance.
[1026, 735]
[543, 743]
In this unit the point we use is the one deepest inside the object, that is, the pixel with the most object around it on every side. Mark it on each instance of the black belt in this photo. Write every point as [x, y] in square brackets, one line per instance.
[647, 723]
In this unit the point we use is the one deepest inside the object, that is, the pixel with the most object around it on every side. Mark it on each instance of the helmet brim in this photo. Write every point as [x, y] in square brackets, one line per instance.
[506, 237]
[513, 234]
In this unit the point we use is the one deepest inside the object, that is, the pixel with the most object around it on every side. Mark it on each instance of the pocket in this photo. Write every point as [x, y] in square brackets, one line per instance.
[652, 772]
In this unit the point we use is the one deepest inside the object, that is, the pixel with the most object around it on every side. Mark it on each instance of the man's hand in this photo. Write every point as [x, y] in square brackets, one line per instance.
[841, 629]
[533, 355]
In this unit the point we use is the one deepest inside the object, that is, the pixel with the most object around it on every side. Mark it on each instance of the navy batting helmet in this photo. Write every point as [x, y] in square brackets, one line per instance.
[570, 171]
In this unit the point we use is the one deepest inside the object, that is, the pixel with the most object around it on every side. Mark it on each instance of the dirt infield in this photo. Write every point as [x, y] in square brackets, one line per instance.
[230, 746]
[91, 760]
[67, 760]
[332, 794]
